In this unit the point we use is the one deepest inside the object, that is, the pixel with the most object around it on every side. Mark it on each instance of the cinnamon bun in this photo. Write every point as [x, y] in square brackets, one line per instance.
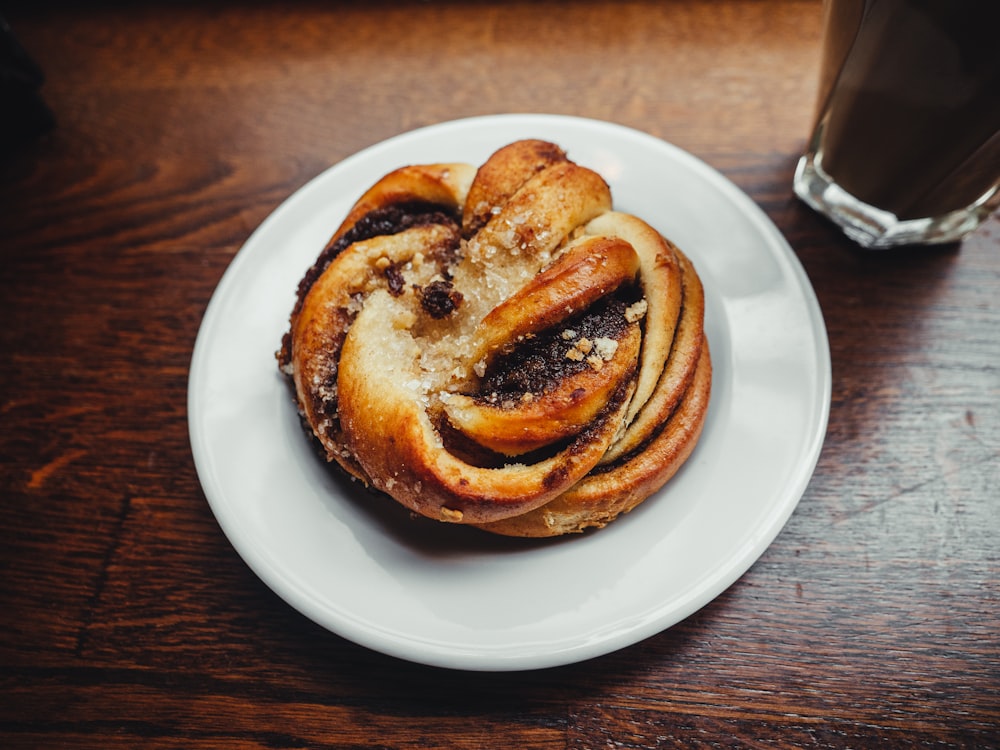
[497, 346]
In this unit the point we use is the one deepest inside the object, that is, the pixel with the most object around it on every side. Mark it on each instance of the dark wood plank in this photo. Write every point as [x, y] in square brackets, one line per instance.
[127, 619]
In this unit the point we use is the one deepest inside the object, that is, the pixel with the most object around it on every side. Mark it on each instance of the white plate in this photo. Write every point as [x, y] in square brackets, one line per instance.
[451, 596]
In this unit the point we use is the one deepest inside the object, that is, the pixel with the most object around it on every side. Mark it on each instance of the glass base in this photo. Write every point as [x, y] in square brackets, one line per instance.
[874, 228]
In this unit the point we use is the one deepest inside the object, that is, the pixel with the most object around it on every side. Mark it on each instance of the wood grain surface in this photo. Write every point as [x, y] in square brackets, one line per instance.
[127, 619]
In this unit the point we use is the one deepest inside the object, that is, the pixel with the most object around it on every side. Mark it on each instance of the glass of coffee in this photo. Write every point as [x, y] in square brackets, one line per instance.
[906, 143]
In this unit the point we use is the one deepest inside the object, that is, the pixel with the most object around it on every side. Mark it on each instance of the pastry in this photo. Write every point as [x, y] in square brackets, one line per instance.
[499, 347]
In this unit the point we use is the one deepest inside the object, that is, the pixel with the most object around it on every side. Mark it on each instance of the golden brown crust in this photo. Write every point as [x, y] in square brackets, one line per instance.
[503, 175]
[497, 347]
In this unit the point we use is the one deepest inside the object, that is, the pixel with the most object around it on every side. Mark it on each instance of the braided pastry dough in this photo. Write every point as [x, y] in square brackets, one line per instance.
[498, 347]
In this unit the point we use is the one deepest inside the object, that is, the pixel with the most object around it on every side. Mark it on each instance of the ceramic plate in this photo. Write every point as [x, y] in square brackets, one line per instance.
[454, 597]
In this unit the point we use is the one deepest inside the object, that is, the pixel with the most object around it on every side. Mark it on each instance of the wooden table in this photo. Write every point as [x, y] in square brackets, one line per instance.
[128, 620]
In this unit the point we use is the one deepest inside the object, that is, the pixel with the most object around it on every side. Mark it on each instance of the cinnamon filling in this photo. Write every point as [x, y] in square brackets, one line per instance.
[380, 222]
[538, 364]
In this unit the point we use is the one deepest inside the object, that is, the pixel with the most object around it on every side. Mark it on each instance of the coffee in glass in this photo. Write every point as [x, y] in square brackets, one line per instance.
[906, 145]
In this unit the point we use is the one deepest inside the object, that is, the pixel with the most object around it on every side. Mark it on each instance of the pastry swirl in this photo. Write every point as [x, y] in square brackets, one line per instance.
[499, 347]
